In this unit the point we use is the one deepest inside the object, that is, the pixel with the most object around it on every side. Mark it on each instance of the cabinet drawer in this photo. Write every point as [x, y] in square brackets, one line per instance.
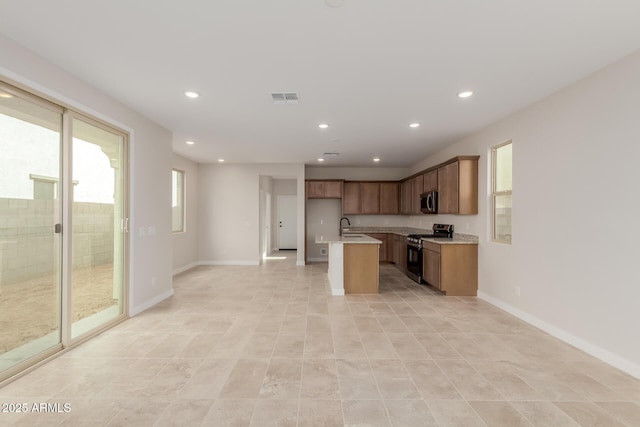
[433, 247]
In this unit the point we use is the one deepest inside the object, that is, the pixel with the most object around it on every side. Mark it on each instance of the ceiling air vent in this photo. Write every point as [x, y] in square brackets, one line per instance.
[330, 154]
[284, 97]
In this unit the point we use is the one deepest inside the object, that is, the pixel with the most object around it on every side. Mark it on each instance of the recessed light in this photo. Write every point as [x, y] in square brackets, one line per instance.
[191, 94]
[5, 95]
[414, 125]
[189, 142]
[323, 125]
[376, 159]
[320, 159]
[465, 94]
[221, 160]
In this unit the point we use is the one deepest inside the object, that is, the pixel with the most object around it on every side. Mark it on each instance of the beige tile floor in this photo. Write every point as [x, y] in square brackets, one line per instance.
[268, 346]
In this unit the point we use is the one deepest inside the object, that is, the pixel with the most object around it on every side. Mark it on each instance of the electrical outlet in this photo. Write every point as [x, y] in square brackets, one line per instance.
[321, 221]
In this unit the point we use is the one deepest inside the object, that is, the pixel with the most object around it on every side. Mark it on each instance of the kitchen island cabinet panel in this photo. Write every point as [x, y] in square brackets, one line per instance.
[361, 271]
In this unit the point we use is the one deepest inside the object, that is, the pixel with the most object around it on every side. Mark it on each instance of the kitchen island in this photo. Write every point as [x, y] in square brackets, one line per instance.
[353, 263]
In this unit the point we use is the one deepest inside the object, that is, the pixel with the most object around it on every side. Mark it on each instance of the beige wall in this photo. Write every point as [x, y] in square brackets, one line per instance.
[150, 255]
[185, 244]
[572, 266]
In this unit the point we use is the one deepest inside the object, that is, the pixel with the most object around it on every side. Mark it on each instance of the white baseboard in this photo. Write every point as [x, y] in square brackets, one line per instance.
[231, 262]
[600, 353]
[337, 292]
[185, 268]
[318, 259]
[300, 263]
[150, 303]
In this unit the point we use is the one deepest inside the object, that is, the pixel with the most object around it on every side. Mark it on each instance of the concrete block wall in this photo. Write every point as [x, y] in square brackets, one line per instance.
[29, 248]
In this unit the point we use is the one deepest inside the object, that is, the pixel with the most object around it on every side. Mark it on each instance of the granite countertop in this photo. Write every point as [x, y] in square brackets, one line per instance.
[458, 238]
[346, 239]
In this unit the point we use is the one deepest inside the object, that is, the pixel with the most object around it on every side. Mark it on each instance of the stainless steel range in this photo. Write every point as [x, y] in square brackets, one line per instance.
[414, 248]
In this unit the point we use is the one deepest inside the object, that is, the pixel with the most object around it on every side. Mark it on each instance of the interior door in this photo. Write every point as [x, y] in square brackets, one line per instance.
[287, 222]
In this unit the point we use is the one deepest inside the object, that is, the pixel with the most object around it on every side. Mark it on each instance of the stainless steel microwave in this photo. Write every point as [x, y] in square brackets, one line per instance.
[429, 202]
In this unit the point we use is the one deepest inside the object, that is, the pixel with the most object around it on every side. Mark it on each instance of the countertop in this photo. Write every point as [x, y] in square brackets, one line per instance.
[458, 239]
[347, 238]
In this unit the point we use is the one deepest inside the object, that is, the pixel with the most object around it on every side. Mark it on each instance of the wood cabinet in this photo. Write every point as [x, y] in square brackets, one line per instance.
[389, 198]
[323, 189]
[370, 198]
[406, 191]
[351, 200]
[411, 190]
[360, 269]
[399, 251]
[417, 184]
[458, 187]
[430, 181]
[384, 247]
[453, 269]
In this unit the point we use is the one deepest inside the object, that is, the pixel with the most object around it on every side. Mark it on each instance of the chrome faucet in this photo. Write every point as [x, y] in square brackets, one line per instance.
[348, 223]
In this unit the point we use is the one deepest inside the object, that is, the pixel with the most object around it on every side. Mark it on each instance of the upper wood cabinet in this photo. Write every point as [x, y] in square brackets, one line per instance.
[351, 199]
[370, 198]
[389, 198]
[417, 184]
[406, 191]
[430, 181]
[458, 187]
[324, 189]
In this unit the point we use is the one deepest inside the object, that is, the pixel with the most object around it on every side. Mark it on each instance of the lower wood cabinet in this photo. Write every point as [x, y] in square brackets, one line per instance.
[384, 247]
[399, 251]
[453, 269]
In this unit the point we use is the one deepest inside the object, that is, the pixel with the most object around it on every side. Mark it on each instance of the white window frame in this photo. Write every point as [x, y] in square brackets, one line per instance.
[495, 194]
[180, 202]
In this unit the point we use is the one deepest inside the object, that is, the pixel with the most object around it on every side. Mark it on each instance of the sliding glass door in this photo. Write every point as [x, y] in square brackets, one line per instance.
[30, 244]
[63, 225]
[97, 225]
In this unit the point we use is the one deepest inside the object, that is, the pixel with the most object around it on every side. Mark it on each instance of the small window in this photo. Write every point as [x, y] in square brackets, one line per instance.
[501, 192]
[177, 201]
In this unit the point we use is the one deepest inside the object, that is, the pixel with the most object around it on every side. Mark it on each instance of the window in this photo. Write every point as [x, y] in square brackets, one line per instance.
[501, 192]
[177, 201]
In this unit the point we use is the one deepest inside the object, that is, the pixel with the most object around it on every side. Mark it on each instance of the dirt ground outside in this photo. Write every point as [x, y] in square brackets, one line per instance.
[31, 309]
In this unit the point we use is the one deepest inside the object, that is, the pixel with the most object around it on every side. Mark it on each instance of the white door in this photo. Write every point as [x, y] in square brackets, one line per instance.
[287, 222]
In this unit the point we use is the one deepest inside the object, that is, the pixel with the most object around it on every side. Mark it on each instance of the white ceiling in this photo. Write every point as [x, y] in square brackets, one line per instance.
[367, 68]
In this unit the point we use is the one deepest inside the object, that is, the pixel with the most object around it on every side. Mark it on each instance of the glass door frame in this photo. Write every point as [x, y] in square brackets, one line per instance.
[67, 224]
[60, 207]
[65, 245]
